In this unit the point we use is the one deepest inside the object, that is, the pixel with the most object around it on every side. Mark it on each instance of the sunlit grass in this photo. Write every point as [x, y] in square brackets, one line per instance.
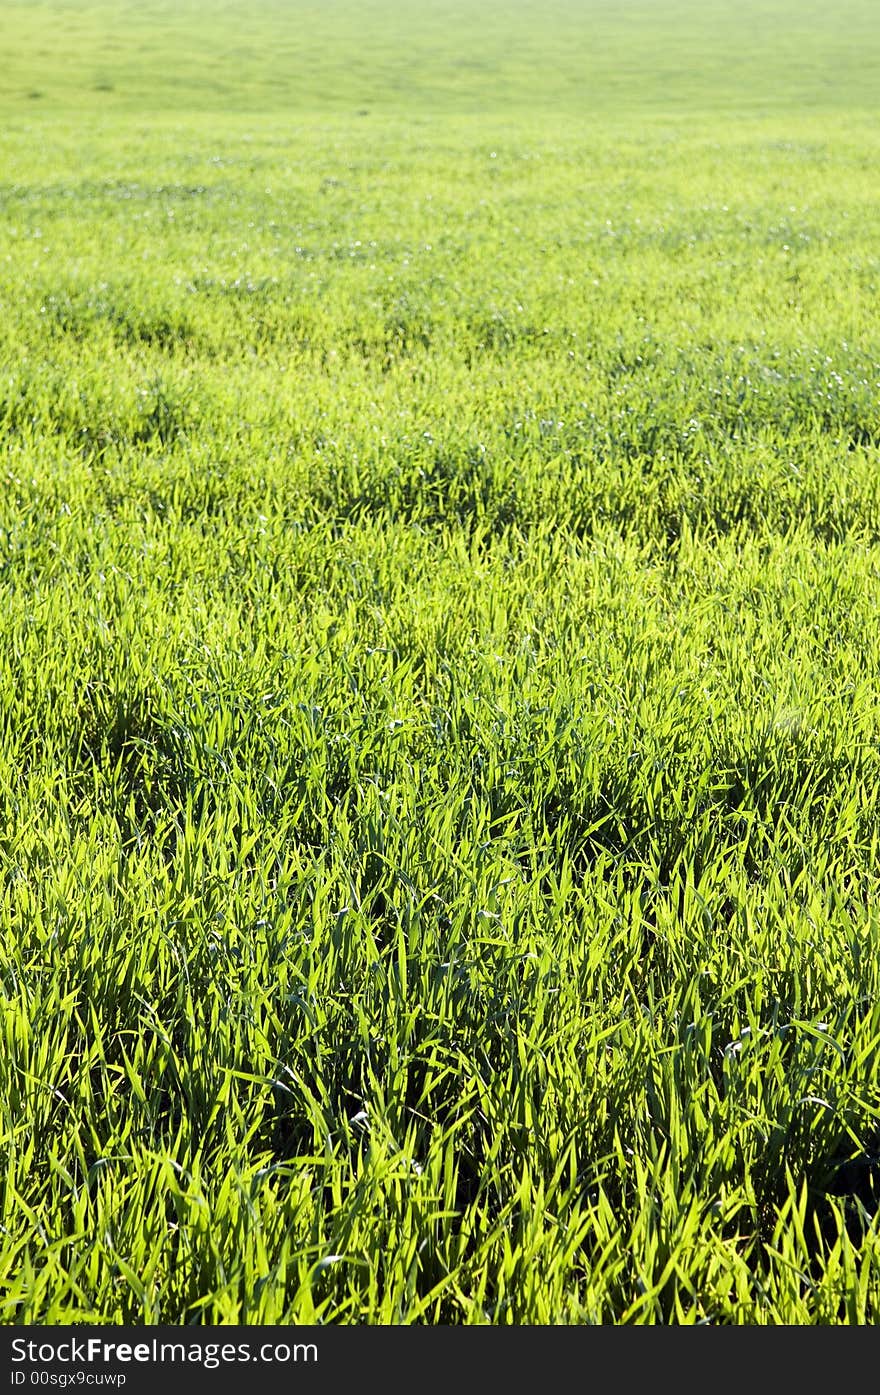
[440, 666]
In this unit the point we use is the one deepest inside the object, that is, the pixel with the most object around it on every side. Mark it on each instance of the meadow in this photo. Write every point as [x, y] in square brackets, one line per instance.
[439, 662]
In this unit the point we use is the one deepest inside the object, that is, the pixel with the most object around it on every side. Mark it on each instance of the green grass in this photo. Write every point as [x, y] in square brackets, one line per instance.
[439, 663]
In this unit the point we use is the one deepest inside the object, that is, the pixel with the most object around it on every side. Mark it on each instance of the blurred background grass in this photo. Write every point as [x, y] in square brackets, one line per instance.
[605, 58]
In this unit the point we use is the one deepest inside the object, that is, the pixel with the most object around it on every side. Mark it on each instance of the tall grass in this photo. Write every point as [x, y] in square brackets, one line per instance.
[439, 665]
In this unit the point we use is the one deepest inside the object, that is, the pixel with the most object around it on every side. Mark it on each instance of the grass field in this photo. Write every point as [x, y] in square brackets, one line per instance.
[440, 662]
